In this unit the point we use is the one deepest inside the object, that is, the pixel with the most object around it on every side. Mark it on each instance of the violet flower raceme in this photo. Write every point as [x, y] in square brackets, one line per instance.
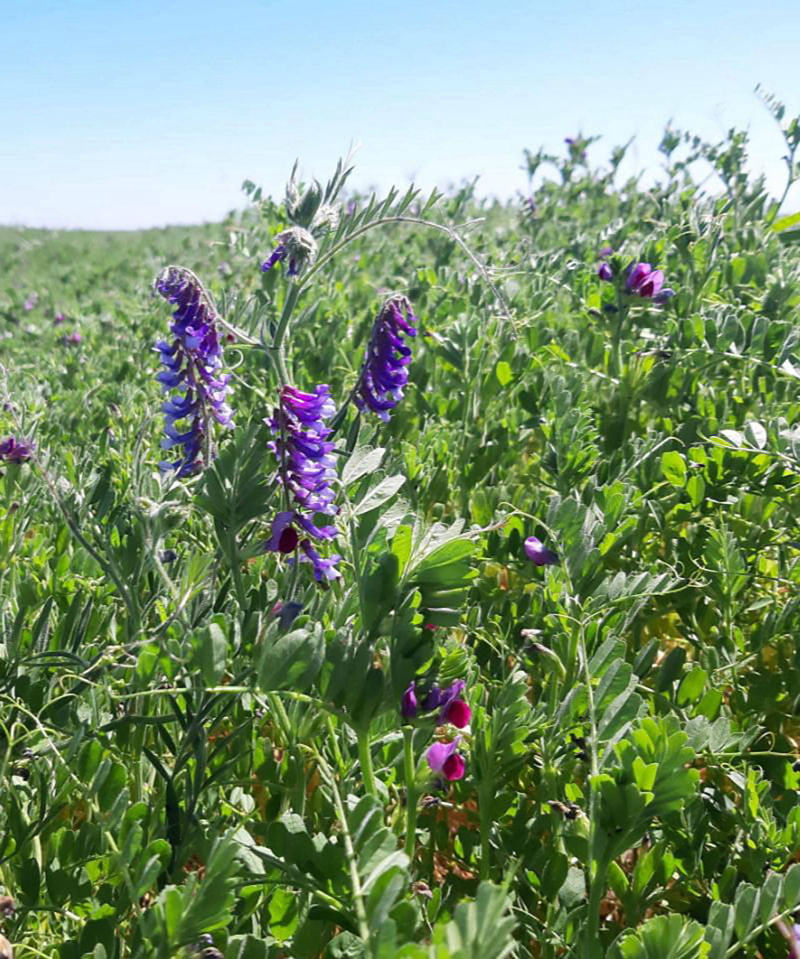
[642, 280]
[297, 246]
[193, 361]
[384, 373]
[306, 469]
[538, 553]
[444, 758]
[13, 450]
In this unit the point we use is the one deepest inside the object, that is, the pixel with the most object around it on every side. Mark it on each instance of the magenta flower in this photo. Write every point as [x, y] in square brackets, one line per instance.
[538, 553]
[452, 707]
[30, 303]
[58, 319]
[642, 280]
[443, 758]
[73, 339]
[13, 450]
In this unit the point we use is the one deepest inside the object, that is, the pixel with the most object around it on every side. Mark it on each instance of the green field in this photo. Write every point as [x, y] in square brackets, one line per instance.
[205, 750]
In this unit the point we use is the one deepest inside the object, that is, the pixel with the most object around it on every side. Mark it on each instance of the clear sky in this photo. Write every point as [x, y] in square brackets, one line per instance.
[122, 114]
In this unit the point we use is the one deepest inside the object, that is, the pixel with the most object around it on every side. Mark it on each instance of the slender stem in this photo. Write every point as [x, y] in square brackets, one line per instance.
[410, 773]
[350, 853]
[324, 260]
[277, 348]
[485, 815]
[365, 760]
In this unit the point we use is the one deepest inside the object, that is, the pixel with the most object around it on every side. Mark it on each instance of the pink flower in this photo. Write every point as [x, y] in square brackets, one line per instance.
[443, 758]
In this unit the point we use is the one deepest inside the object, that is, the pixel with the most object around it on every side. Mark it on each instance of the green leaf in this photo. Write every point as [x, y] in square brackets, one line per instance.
[292, 661]
[673, 466]
[363, 460]
[503, 373]
[379, 495]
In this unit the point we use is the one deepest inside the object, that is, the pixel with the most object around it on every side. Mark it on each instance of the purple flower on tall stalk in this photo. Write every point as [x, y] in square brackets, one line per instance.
[192, 362]
[13, 450]
[450, 703]
[384, 373]
[538, 553]
[642, 280]
[306, 469]
[443, 758]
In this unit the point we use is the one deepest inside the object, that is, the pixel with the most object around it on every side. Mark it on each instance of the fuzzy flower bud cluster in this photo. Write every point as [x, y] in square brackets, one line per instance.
[296, 247]
[197, 389]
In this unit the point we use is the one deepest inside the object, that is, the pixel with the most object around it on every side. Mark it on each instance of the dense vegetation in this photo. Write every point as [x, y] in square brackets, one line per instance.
[571, 557]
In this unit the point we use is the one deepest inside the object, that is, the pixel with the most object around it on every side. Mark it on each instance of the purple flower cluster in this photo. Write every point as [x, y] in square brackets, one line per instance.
[385, 370]
[642, 280]
[13, 450]
[306, 469]
[449, 702]
[192, 364]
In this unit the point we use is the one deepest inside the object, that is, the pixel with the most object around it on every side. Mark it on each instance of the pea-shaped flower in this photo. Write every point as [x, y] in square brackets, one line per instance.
[444, 758]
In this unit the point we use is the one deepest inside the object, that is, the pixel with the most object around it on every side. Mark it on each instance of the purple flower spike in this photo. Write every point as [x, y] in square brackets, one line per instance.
[538, 553]
[642, 280]
[408, 704]
[385, 370]
[13, 450]
[306, 470]
[605, 272]
[444, 758]
[197, 389]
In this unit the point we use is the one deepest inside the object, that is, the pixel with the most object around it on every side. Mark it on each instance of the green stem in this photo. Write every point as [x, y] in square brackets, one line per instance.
[277, 350]
[410, 773]
[365, 759]
[485, 814]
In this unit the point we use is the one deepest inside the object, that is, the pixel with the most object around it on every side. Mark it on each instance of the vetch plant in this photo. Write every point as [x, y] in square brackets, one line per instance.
[193, 379]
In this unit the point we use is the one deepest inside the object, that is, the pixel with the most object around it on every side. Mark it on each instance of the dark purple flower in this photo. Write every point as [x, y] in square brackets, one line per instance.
[385, 370]
[452, 707]
[287, 612]
[306, 469]
[606, 251]
[278, 255]
[408, 704]
[663, 295]
[642, 280]
[444, 758]
[13, 450]
[536, 551]
[605, 272]
[192, 376]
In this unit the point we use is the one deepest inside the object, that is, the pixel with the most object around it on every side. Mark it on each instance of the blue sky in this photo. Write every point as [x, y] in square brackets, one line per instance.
[118, 114]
